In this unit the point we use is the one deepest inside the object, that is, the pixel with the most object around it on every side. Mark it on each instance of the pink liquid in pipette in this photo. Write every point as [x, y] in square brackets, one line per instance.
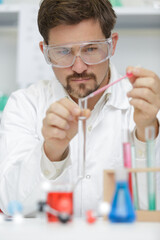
[128, 75]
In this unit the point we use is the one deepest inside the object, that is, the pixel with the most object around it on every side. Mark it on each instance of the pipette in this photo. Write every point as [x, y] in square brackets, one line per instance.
[82, 102]
[82, 126]
[81, 139]
[128, 75]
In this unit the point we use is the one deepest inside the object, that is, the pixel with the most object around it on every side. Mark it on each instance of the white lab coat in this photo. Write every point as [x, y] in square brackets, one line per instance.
[22, 161]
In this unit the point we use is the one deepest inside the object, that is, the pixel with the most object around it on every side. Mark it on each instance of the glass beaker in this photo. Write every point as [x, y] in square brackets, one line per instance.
[60, 198]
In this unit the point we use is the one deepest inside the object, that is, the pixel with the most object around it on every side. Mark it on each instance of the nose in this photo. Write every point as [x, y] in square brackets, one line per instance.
[79, 66]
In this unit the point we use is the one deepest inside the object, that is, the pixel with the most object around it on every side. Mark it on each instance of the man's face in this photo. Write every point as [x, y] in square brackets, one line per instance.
[80, 79]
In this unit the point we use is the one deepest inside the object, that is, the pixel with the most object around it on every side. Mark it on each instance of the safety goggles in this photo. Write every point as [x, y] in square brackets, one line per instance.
[91, 53]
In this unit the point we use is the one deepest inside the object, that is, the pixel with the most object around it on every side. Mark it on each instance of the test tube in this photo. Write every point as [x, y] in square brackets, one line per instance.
[150, 136]
[134, 178]
[127, 157]
[82, 139]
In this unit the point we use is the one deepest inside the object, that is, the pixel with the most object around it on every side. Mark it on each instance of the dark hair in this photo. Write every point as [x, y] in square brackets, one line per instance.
[53, 13]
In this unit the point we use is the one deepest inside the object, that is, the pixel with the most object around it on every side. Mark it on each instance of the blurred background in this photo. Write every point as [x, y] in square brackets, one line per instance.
[22, 63]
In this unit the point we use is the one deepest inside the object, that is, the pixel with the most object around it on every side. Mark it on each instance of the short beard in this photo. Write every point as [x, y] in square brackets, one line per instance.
[81, 90]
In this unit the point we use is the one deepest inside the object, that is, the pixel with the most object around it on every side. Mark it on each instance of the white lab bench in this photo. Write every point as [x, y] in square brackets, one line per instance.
[78, 229]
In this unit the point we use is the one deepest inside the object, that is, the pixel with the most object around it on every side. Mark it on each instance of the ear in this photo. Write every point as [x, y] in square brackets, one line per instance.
[41, 46]
[114, 42]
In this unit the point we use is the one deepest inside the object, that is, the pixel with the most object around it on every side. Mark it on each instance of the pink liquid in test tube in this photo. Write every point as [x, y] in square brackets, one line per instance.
[127, 159]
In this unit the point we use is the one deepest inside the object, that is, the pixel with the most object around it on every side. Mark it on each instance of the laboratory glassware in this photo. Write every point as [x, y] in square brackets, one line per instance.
[82, 139]
[122, 209]
[150, 136]
[82, 125]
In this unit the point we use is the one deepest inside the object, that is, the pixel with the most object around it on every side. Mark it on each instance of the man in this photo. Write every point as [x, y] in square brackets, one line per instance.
[39, 125]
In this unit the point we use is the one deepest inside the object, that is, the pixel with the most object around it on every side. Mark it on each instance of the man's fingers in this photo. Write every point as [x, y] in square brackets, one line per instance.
[86, 113]
[65, 108]
[145, 94]
[55, 120]
[60, 110]
[141, 72]
[68, 110]
[143, 78]
[150, 83]
[52, 132]
[144, 107]
[61, 120]
[72, 107]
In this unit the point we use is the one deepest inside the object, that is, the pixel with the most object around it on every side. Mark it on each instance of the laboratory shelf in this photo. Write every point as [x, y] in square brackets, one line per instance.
[138, 17]
[128, 17]
[9, 15]
[137, 10]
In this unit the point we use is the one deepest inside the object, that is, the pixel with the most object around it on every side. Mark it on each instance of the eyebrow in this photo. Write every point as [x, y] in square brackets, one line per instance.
[79, 43]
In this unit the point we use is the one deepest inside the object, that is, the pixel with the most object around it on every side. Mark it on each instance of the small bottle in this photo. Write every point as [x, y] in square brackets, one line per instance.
[122, 209]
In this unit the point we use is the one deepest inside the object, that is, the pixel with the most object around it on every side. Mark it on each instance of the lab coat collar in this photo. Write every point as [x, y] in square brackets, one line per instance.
[58, 90]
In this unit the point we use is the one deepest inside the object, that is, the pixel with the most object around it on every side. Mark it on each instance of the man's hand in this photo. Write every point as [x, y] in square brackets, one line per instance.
[145, 99]
[59, 127]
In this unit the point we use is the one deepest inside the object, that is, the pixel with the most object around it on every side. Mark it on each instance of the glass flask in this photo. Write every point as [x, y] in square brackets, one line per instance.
[122, 209]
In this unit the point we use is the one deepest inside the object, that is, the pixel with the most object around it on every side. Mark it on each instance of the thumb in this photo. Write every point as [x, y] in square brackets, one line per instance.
[136, 72]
